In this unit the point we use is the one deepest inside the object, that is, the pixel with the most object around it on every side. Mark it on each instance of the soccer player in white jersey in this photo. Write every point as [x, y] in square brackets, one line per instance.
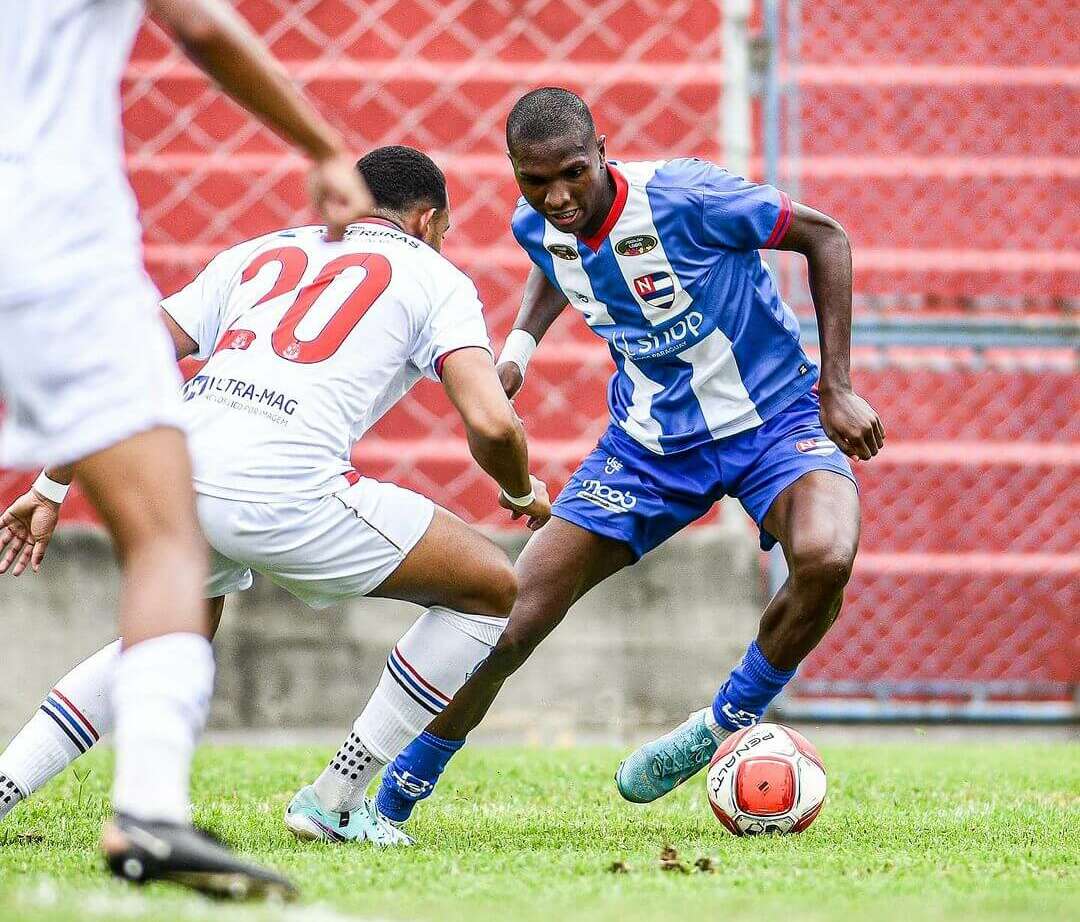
[712, 394]
[307, 343]
[87, 376]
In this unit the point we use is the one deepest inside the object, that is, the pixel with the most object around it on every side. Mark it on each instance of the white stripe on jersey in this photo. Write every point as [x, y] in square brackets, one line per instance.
[718, 386]
[640, 424]
[637, 220]
[573, 279]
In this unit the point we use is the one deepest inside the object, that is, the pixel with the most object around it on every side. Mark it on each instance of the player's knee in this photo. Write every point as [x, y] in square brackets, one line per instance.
[495, 591]
[151, 536]
[503, 589]
[823, 566]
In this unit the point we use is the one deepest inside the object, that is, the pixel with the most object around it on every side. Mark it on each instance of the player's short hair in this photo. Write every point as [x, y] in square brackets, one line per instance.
[549, 112]
[401, 178]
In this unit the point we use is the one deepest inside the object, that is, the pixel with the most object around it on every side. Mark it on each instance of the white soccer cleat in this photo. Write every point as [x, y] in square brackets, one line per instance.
[307, 819]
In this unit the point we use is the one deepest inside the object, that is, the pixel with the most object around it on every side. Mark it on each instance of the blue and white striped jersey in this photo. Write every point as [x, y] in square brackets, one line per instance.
[703, 345]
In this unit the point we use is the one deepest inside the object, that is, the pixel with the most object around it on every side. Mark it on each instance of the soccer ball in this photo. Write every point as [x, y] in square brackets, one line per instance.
[766, 779]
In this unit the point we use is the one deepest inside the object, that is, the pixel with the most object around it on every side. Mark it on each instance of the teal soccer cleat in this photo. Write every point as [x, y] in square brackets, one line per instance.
[307, 819]
[658, 767]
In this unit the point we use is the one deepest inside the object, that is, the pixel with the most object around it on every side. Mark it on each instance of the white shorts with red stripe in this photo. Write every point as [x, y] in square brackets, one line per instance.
[321, 550]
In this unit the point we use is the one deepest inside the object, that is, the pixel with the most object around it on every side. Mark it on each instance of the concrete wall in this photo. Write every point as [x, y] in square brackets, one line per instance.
[642, 649]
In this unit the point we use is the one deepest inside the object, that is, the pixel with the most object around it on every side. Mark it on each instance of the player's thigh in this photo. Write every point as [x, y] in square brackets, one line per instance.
[559, 564]
[817, 518]
[142, 489]
[456, 566]
[84, 367]
[793, 480]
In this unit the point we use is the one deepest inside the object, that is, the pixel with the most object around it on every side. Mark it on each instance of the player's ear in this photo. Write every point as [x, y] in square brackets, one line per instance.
[601, 146]
[424, 220]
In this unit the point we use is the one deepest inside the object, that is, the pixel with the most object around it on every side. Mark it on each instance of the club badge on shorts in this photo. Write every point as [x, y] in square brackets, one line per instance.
[816, 446]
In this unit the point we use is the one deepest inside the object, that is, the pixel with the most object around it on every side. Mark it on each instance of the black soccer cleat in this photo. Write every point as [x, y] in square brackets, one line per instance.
[141, 851]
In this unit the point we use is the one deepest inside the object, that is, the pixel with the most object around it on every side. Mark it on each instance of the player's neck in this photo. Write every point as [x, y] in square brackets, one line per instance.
[381, 217]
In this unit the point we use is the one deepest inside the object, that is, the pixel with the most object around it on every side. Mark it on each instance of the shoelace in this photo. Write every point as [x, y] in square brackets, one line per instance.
[678, 759]
[387, 832]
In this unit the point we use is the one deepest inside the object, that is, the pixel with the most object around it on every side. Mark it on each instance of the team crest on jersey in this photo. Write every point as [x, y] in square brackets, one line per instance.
[657, 289]
[235, 339]
[562, 250]
[816, 446]
[637, 245]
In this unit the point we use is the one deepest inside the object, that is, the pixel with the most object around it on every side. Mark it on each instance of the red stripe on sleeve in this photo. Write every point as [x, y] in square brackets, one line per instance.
[783, 222]
[442, 358]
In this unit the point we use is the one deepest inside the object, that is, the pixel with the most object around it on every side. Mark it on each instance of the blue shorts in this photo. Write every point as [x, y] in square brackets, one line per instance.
[625, 492]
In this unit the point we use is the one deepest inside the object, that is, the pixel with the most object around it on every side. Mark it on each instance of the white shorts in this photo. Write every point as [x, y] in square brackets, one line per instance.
[320, 550]
[83, 367]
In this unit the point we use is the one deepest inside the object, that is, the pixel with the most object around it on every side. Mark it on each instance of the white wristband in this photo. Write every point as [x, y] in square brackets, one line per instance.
[518, 348]
[50, 489]
[520, 501]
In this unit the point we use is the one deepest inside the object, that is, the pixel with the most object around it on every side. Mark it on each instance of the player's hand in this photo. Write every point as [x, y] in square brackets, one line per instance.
[851, 423]
[26, 527]
[338, 194]
[538, 511]
[511, 378]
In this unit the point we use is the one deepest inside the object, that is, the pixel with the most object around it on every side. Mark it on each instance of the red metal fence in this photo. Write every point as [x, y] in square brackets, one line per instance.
[942, 134]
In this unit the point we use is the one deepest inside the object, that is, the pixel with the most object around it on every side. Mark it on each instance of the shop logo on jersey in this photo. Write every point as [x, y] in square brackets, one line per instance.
[600, 494]
[562, 250]
[637, 245]
[816, 446]
[656, 290]
[671, 339]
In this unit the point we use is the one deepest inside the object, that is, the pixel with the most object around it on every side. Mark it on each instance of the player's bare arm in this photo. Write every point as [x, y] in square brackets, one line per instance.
[183, 344]
[541, 304]
[495, 434]
[847, 419]
[218, 40]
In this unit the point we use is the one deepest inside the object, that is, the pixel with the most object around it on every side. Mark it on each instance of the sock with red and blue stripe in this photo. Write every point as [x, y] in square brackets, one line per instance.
[70, 721]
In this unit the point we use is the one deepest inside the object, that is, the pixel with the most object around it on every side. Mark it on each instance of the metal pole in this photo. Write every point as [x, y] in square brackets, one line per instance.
[736, 121]
[771, 102]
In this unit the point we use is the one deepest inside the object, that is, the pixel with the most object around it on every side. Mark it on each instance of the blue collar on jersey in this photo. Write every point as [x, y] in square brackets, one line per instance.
[621, 189]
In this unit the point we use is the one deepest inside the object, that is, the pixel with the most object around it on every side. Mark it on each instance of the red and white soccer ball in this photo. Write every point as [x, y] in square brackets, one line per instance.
[766, 779]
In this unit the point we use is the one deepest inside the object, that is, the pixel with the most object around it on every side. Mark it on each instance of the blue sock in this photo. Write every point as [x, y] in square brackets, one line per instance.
[750, 688]
[412, 775]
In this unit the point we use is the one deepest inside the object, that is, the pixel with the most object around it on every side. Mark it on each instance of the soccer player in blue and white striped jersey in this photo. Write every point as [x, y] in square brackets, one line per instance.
[712, 395]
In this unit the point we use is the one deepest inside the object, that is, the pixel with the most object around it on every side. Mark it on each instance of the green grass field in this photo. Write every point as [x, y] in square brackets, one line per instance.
[909, 832]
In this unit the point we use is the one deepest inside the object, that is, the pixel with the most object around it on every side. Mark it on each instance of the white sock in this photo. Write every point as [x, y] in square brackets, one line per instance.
[160, 700]
[425, 670]
[74, 716]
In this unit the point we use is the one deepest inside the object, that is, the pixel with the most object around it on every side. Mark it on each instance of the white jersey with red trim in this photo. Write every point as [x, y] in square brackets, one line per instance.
[307, 344]
[66, 209]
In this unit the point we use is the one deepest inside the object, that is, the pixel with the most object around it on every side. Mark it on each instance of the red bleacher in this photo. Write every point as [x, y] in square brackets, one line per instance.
[940, 132]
